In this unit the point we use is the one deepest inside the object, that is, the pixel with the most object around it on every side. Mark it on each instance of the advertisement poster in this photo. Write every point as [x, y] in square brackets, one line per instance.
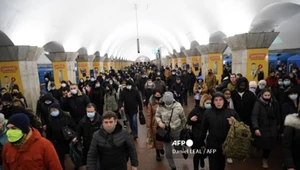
[196, 64]
[10, 75]
[105, 65]
[60, 72]
[215, 62]
[257, 64]
[83, 69]
[182, 62]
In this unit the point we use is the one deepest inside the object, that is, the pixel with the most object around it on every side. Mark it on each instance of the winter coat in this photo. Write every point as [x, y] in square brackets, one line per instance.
[171, 80]
[215, 121]
[291, 142]
[178, 90]
[97, 96]
[203, 87]
[76, 105]
[178, 119]
[55, 125]
[110, 101]
[112, 150]
[36, 154]
[211, 81]
[288, 108]
[131, 100]
[265, 119]
[244, 105]
[151, 122]
[196, 126]
[86, 129]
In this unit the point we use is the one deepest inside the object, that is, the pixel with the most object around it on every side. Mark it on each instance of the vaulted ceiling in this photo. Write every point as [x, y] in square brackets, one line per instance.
[109, 26]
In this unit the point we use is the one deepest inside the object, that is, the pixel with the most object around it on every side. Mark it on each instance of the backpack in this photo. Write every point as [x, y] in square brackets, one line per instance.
[238, 141]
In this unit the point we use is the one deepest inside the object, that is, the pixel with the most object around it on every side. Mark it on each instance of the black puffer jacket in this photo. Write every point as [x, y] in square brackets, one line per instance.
[196, 126]
[215, 121]
[112, 149]
[265, 119]
[86, 129]
[291, 142]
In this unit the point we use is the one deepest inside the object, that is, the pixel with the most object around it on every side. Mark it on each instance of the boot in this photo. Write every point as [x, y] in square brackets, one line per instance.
[158, 158]
[162, 151]
[202, 163]
[196, 162]
[265, 163]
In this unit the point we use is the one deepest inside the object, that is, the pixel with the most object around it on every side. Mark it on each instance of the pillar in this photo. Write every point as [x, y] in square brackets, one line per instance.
[63, 66]
[250, 53]
[193, 58]
[85, 65]
[97, 64]
[18, 65]
[212, 58]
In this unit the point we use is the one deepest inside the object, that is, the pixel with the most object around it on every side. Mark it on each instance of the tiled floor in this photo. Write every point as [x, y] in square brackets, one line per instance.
[147, 159]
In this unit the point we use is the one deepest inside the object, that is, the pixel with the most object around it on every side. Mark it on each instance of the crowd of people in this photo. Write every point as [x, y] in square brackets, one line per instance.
[96, 111]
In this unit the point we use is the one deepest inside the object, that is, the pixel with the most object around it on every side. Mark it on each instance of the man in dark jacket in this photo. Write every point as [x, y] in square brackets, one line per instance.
[75, 102]
[243, 100]
[89, 124]
[217, 121]
[43, 110]
[130, 101]
[111, 145]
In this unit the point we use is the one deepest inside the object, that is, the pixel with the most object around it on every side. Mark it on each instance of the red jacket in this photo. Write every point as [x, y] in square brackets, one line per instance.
[36, 154]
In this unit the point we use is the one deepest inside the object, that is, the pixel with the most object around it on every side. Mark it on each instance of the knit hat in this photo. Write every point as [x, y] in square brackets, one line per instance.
[21, 121]
[168, 98]
[252, 84]
[55, 105]
[7, 97]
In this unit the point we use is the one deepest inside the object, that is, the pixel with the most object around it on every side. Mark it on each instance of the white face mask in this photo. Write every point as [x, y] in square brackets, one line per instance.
[74, 91]
[63, 85]
[129, 87]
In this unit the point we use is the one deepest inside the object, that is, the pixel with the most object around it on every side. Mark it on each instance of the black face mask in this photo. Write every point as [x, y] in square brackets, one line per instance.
[158, 79]
[266, 100]
[157, 98]
[241, 89]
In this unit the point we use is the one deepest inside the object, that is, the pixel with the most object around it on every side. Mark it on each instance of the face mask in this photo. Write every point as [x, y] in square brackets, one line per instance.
[91, 114]
[157, 98]
[109, 129]
[286, 83]
[267, 100]
[111, 83]
[97, 85]
[74, 91]
[54, 113]
[81, 81]
[173, 73]
[280, 83]
[241, 89]
[14, 135]
[48, 102]
[261, 87]
[168, 105]
[252, 90]
[158, 74]
[294, 71]
[53, 88]
[158, 79]
[293, 96]
[129, 87]
[279, 68]
[207, 106]
[150, 84]
[63, 85]
[92, 79]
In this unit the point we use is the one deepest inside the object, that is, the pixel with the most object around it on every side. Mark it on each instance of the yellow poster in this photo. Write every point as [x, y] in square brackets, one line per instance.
[196, 64]
[10, 75]
[215, 62]
[83, 69]
[182, 62]
[105, 65]
[60, 72]
[257, 63]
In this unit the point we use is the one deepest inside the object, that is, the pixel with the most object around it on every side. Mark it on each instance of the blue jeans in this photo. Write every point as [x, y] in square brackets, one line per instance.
[133, 124]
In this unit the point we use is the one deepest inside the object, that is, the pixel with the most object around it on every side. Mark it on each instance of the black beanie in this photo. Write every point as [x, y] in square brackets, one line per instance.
[21, 121]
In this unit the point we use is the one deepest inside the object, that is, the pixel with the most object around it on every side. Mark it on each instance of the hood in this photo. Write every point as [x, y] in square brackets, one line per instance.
[18, 102]
[48, 96]
[241, 80]
[219, 94]
[292, 120]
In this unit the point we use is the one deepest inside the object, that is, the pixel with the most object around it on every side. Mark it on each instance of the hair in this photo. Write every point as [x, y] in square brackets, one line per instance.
[73, 84]
[266, 90]
[204, 98]
[109, 115]
[232, 74]
[239, 74]
[157, 91]
[91, 105]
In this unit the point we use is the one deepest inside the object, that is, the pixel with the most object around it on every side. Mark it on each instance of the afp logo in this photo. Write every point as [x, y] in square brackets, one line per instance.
[188, 143]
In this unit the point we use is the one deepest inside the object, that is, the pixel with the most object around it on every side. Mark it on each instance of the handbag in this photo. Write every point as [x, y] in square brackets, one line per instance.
[186, 133]
[164, 135]
[142, 118]
[68, 133]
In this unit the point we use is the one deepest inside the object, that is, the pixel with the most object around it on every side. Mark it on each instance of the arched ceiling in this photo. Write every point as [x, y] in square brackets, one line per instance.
[109, 26]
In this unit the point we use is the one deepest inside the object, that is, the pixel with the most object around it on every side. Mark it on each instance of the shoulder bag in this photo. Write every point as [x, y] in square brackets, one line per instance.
[163, 135]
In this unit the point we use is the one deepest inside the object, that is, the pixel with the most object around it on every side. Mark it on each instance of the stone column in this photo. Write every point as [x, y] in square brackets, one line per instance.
[211, 58]
[250, 54]
[18, 65]
[63, 66]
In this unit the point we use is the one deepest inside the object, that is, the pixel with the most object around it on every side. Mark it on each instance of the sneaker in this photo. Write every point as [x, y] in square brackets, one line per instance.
[229, 160]
[265, 164]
